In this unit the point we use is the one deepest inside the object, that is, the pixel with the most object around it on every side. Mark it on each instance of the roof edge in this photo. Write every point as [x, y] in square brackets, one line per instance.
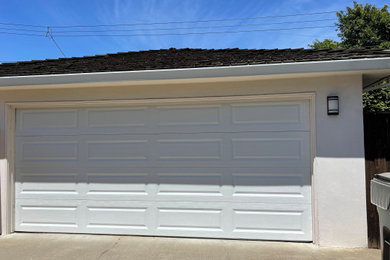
[331, 66]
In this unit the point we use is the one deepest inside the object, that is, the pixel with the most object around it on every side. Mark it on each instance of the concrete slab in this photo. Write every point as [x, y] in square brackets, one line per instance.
[68, 246]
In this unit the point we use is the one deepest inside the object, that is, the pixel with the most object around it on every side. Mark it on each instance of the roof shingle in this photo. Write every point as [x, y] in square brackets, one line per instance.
[181, 58]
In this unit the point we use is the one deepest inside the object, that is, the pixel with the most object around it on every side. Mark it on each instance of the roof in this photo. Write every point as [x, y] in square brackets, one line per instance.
[182, 58]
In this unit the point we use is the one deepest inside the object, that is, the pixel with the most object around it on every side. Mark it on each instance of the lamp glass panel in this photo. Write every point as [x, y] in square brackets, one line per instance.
[333, 105]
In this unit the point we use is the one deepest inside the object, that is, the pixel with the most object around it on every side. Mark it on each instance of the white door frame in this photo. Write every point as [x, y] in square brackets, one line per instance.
[7, 176]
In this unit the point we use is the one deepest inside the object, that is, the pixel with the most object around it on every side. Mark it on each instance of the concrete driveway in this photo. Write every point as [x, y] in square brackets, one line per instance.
[65, 246]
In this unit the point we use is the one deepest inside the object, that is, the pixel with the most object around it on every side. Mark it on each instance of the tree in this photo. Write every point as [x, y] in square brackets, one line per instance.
[363, 27]
[377, 100]
[325, 44]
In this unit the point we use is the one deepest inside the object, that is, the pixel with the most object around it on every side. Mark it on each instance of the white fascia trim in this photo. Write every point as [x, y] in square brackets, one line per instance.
[204, 72]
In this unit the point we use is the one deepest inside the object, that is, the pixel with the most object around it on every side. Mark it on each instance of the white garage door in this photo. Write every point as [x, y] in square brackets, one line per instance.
[237, 170]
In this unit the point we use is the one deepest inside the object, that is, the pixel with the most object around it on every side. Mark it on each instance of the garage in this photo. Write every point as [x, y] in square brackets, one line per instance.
[202, 167]
[236, 144]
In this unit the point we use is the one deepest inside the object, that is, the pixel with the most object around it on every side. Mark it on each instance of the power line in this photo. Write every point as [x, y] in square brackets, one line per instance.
[165, 34]
[23, 25]
[58, 47]
[169, 22]
[196, 21]
[50, 35]
[189, 28]
[21, 29]
[24, 34]
[190, 33]
[158, 29]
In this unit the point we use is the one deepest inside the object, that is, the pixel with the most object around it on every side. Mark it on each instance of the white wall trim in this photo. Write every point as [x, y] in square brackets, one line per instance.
[7, 174]
[7, 165]
[313, 152]
[161, 101]
[334, 66]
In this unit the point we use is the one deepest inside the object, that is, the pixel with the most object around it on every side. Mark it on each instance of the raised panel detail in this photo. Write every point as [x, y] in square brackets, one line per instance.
[190, 183]
[189, 219]
[127, 117]
[189, 149]
[41, 119]
[46, 151]
[266, 113]
[266, 148]
[117, 184]
[188, 116]
[268, 221]
[116, 217]
[268, 184]
[48, 184]
[61, 216]
[118, 150]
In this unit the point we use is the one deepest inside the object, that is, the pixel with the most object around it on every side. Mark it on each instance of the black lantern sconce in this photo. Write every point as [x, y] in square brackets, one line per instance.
[333, 105]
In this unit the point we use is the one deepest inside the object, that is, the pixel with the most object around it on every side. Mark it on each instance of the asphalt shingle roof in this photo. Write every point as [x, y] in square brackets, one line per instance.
[181, 58]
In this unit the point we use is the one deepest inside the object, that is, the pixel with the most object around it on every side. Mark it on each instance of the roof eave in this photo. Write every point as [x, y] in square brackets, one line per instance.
[326, 67]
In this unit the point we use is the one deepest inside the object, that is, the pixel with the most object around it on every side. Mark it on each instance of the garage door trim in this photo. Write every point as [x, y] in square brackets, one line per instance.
[7, 166]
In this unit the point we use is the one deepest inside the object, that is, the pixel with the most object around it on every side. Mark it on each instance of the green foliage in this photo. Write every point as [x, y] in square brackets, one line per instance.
[325, 44]
[360, 26]
[363, 27]
[377, 100]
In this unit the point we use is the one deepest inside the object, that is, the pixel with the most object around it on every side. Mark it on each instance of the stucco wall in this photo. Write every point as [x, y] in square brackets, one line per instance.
[339, 216]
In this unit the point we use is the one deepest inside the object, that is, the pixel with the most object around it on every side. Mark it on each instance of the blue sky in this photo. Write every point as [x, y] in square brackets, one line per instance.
[92, 12]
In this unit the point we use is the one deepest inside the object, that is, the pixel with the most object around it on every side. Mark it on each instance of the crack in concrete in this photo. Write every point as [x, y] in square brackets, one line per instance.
[109, 249]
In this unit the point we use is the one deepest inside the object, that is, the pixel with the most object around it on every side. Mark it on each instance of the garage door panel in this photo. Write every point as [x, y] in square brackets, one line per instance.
[272, 185]
[229, 170]
[283, 185]
[179, 218]
[187, 116]
[271, 116]
[250, 149]
[189, 148]
[267, 116]
[44, 185]
[189, 182]
[234, 149]
[41, 122]
[116, 149]
[264, 220]
[41, 182]
[122, 184]
[46, 150]
[122, 216]
[132, 119]
[117, 217]
[266, 148]
[49, 216]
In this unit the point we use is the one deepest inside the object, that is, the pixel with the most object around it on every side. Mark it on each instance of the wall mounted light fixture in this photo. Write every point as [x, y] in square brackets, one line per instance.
[333, 105]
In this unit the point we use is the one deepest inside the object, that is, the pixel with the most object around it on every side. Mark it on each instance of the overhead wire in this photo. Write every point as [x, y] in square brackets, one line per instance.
[188, 33]
[57, 30]
[168, 22]
[166, 34]
[191, 28]
[61, 33]
[24, 34]
[196, 21]
[24, 25]
[21, 29]
[50, 35]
